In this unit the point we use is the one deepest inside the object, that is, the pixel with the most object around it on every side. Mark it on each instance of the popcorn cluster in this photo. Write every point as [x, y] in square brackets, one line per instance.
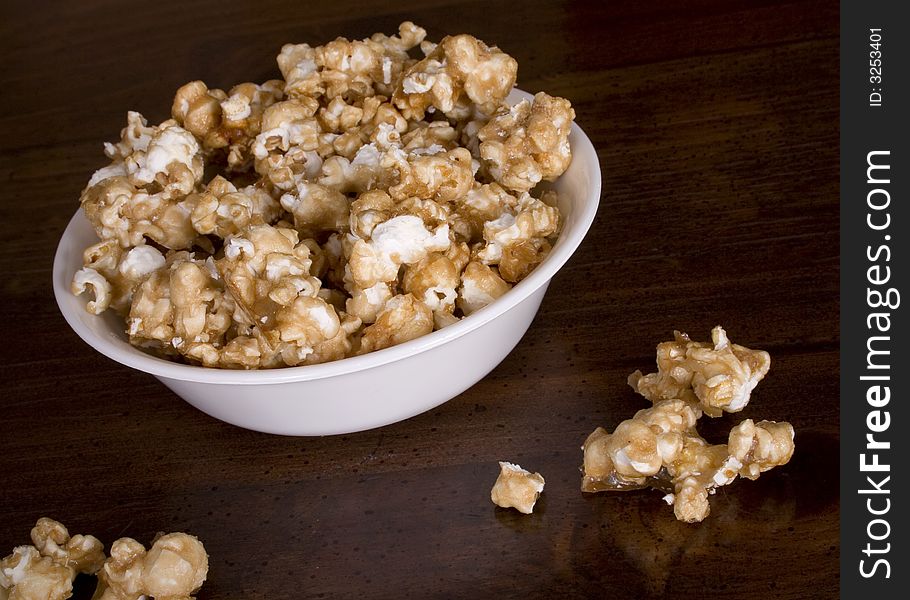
[46, 569]
[660, 448]
[173, 569]
[363, 200]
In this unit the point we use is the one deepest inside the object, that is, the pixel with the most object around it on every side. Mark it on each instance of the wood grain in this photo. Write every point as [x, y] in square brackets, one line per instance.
[717, 127]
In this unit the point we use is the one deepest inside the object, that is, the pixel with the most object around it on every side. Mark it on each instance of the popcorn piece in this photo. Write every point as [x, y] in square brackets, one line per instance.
[516, 488]
[338, 116]
[362, 173]
[483, 203]
[761, 446]
[198, 110]
[529, 142]
[519, 259]
[173, 569]
[118, 210]
[720, 375]
[349, 67]
[429, 138]
[432, 212]
[242, 111]
[343, 344]
[442, 176]
[88, 278]
[113, 274]
[480, 285]
[266, 267]
[697, 472]
[297, 63]
[638, 448]
[172, 160]
[366, 303]
[121, 576]
[369, 210]
[82, 553]
[135, 137]
[396, 57]
[317, 208]
[517, 237]
[460, 255]
[106, 203]
[181, 307]
[433, 280]
[286, 124]
[140, 194]
[26, 575]
[387, 126]
[223, 210]
[300, 327]
[291, 144]
[400, 240]
[46, 570]
[404, 318]
[459, 65]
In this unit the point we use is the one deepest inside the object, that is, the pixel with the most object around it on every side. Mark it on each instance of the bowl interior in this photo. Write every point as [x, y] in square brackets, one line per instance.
[579, 195]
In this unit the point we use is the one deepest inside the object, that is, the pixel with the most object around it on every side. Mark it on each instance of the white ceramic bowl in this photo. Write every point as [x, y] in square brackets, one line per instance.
[361, 392]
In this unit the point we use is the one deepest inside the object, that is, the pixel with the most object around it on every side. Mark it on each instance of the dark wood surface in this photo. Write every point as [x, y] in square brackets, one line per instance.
[717, 128]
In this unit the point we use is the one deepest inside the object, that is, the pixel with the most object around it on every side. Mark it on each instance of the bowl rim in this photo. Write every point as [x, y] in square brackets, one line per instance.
[122, 352]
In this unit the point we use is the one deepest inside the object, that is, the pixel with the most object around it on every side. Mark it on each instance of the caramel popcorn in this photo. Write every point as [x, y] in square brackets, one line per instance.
[45, 570]
[173, 569]
[82, 553]
[442, 175]
[113, 274]
[660, 448]
[364, 199]
[720, 375]
[433, 280]
[140, 194]
[480, 286]
[399, 241]
[403, 318]
[349, 68]
[516, 488]
[459, 66]
[317, 208]
[516, 240]
[529, 142]
[223, 210]
[760, 446]
[483, 203]
[222, 120]
[181, 307]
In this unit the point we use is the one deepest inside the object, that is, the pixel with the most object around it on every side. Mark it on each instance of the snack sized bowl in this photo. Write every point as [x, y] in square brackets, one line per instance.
[361, 392]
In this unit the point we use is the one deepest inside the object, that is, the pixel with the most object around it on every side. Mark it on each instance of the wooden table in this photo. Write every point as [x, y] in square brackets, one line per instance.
[717, 129]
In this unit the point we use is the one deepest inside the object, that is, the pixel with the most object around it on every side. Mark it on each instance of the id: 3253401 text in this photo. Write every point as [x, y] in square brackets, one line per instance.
[875, 67]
